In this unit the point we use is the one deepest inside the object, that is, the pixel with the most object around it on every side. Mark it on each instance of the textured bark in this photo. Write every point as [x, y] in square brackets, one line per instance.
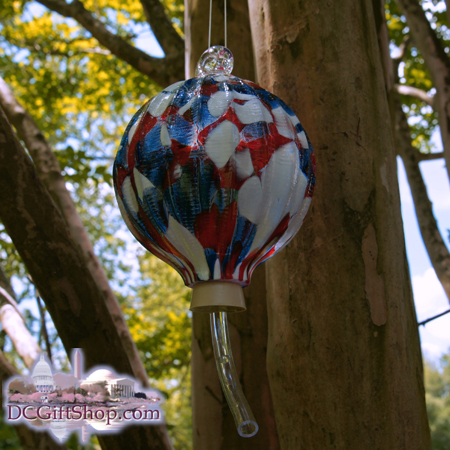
[13, 323]
[163, 72]
[57, 266]
[29, 439]
[50, 173]
[438, 63]
[169, 40]
[344, 355]
[213, 423]
[432, 238]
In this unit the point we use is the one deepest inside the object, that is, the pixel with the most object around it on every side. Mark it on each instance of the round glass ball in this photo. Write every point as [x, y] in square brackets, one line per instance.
[215, 174]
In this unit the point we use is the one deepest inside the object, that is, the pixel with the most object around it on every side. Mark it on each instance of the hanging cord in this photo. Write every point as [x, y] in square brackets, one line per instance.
[225, 21]
[210, 16]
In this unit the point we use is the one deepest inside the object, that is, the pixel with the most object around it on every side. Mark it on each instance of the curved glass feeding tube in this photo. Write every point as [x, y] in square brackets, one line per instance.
[243, 416]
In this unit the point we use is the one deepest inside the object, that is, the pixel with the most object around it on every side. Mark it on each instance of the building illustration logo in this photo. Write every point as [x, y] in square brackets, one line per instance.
[101, 402]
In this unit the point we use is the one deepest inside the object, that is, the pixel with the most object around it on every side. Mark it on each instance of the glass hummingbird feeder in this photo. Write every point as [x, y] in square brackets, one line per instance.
[215, 175]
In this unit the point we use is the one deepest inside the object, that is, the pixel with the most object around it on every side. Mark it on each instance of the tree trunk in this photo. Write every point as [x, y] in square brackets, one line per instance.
[214, 428]
[344, 356]
[57, 266]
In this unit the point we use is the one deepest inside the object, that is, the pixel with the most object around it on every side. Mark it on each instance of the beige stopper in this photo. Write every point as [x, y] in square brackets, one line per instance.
[214, 296]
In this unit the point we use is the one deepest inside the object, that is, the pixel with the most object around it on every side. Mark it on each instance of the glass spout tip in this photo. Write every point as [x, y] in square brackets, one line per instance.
[248, 429]
[243, 416]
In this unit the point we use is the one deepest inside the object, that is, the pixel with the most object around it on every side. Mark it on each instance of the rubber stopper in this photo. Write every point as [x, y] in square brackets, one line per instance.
[214, 296]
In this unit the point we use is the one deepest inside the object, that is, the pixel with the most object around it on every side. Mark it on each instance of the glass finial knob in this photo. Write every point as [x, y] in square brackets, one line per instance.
[217, 59]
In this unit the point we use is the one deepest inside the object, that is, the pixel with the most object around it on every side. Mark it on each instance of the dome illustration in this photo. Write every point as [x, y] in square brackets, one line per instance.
[42, 368]
[101, 375]
[42, 376]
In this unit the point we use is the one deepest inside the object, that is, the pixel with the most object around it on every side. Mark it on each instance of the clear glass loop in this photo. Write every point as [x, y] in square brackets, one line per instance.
[217, 59]
[243, 416]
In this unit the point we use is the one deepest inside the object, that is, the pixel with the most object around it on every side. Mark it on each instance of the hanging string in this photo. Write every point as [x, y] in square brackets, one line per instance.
[225, 21]
[210, 16]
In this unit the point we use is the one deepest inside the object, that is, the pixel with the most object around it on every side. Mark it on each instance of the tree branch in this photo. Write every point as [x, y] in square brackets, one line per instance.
[50, 172]
[429, 156]
[437, 61]
[161, 71]
[171, 42]
[6, 298]
[416, 93]
[44, 331]
[56, 264]
[433, 318]
[432, 238]
[13, 323]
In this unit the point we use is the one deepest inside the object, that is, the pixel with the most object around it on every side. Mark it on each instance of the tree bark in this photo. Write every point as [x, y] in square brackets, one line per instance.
[344, 355]
[438, 63]
[168, 38]
[49, 171]
[213, 423]
[57, 266]
[13, 323]
[29, 439]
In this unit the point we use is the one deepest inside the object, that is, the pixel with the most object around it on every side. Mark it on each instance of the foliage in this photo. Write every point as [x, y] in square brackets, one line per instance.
[437, 385]
[80, 95]
[160, 324]
[413, 72]
[10, 441]
[8, 437]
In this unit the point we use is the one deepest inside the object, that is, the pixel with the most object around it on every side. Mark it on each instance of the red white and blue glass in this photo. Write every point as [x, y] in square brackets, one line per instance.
[214, 175]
